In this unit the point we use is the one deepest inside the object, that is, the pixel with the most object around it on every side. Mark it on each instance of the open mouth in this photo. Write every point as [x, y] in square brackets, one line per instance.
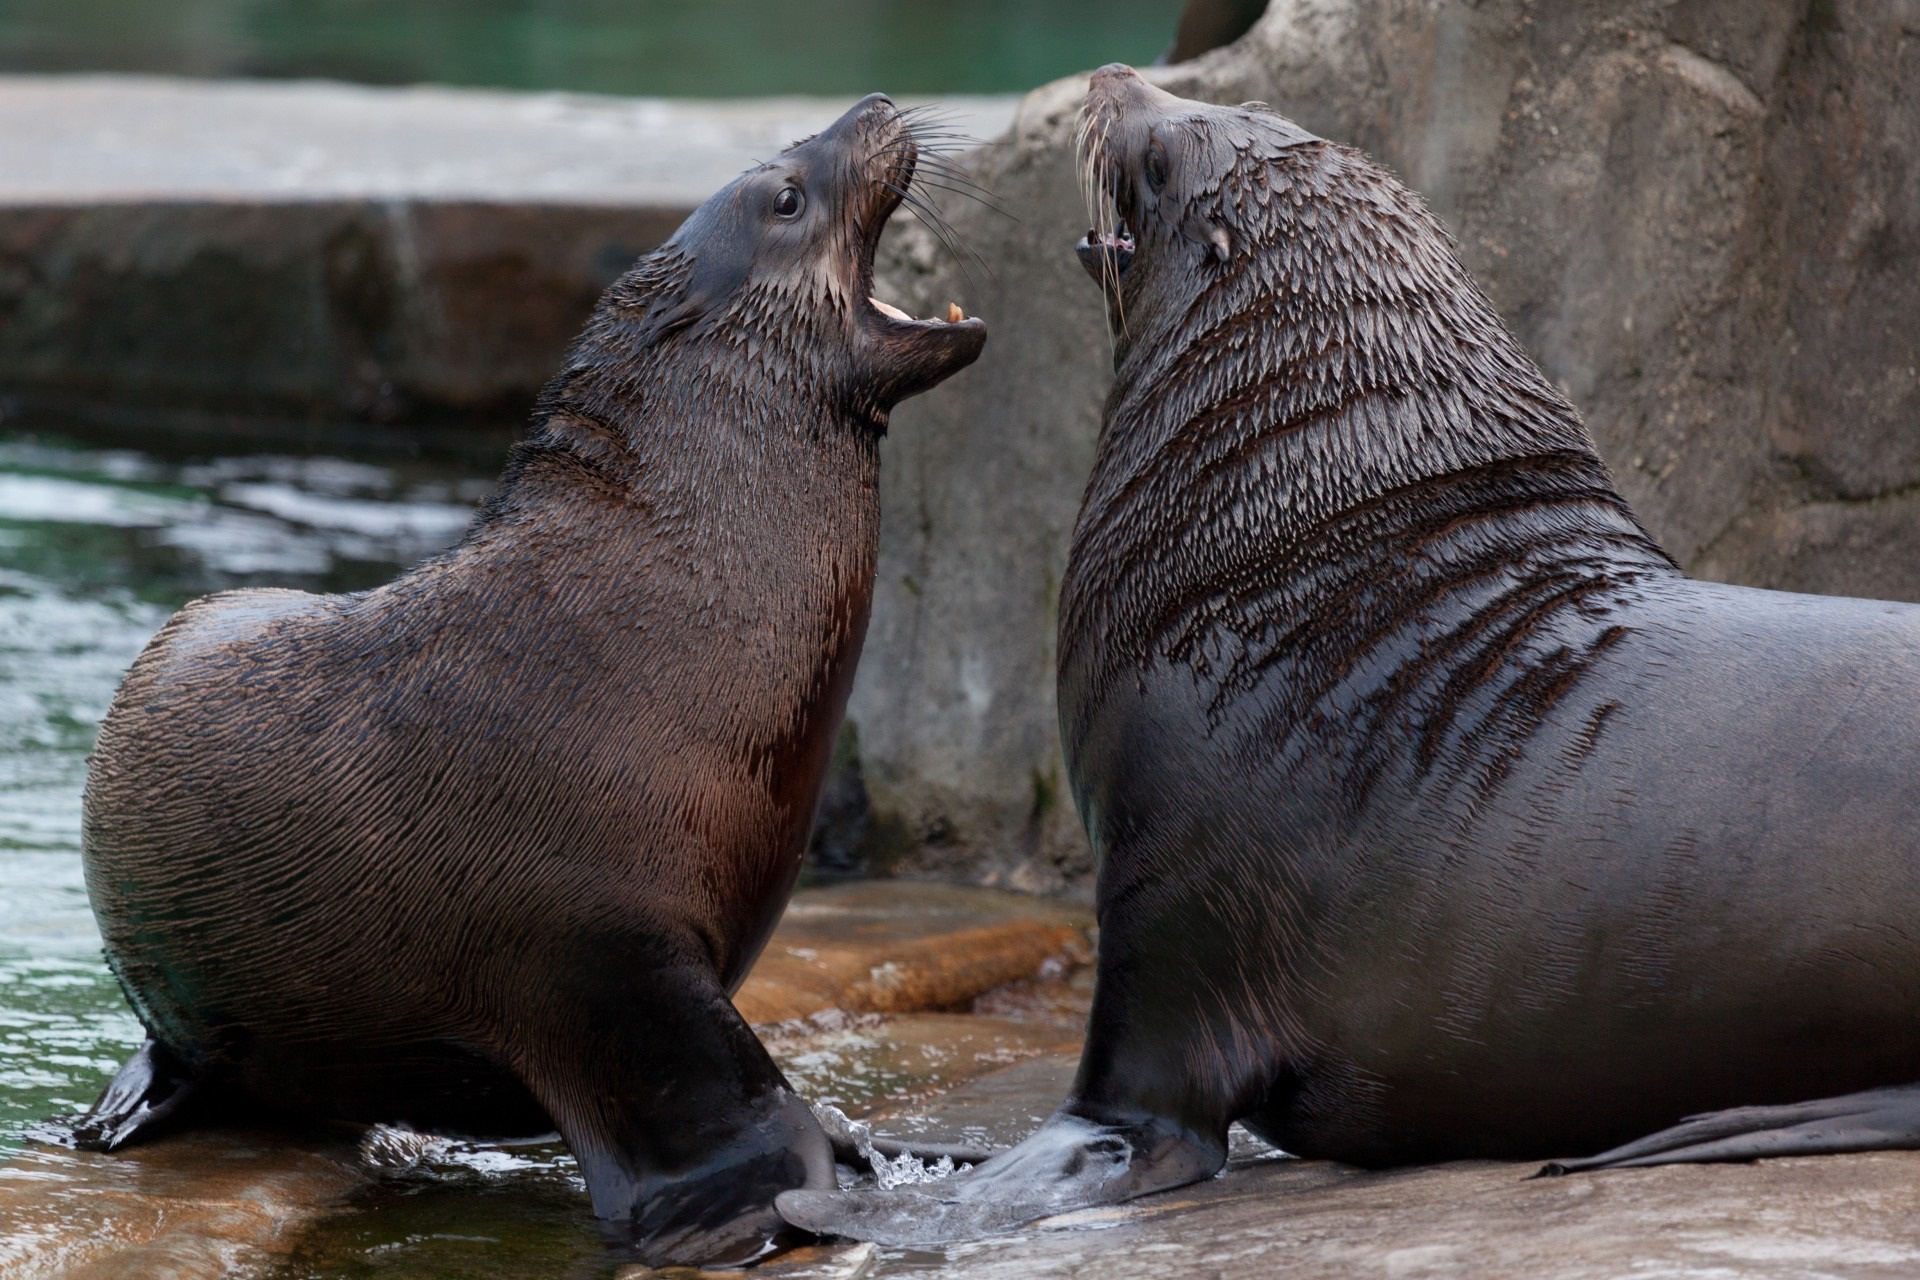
[1106, 251]
[954, 314]
[911, 354]
[1106, 254]
[895, 187]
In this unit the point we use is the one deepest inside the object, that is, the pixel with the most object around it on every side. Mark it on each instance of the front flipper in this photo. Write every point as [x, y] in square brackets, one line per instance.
[1071, 1163]
[716, 1206]
[151, 1088]
[1876, 1120]
[683, 1126]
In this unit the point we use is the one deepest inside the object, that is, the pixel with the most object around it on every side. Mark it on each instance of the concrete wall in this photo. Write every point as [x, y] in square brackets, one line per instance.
[291, 252]
[342, 310]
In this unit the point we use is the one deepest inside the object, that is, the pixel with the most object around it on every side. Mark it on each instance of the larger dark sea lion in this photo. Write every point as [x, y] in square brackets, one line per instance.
[1438, 814]
[487, 849]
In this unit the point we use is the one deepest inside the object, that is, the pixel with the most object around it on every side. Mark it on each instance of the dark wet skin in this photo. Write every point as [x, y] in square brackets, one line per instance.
[1439, 815]
[487, 849]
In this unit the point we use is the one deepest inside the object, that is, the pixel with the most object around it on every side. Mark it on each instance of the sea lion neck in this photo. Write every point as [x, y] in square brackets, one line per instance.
[709, 439]
[1336, 370]
[772, 361]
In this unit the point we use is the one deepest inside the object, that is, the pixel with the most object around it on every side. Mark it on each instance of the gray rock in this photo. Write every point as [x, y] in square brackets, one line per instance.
[1702, 217]
[979, 488]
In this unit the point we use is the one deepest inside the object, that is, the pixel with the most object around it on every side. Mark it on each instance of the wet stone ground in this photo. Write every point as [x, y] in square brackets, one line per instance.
[872, 995]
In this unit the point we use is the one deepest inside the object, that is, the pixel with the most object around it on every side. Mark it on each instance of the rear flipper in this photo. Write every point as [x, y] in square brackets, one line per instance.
[150, 1089]
[1876, 1120]
[1071, 1163]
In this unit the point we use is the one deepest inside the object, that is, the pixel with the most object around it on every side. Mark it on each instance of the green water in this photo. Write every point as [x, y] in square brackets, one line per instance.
[97, 545]
[677, 48]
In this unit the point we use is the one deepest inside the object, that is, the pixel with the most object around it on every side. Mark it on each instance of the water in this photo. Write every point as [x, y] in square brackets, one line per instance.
[690, 48]
[98, 545]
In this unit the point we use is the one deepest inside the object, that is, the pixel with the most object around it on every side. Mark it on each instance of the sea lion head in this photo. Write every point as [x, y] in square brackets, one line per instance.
[1176, 190]
[785, 251]
[1298, 354]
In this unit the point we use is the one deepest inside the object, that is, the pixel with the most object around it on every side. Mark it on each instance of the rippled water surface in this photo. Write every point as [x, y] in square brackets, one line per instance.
[97, 546]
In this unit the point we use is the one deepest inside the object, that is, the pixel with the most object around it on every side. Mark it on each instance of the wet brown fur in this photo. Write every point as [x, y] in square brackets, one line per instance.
[488, 847]
[1363, 653]
[1438, 815]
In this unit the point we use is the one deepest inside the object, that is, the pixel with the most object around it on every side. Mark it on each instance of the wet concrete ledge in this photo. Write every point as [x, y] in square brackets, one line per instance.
[1847, 1217]
[308, 251]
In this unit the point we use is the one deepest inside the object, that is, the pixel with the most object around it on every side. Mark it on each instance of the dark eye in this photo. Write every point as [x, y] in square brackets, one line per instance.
[1156, 165]
[788, 203]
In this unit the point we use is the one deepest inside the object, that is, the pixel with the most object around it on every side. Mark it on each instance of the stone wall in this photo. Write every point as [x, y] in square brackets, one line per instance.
[289, 253]
[386, 312]
[1701, 216]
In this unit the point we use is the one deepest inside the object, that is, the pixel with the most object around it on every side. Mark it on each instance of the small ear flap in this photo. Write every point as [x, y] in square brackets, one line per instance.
[720, 266]
[1202, 229]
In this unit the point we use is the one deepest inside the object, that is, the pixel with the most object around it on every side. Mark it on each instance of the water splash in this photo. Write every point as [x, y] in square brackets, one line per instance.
[908, 1169]
[902, 1170]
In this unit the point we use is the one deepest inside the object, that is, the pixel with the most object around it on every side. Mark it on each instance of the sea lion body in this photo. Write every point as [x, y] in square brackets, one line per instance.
[1688, 887]
[1438, 814]
[487, 849]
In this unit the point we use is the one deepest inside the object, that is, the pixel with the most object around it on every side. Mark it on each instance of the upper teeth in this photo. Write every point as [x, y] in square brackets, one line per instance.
[954, 314]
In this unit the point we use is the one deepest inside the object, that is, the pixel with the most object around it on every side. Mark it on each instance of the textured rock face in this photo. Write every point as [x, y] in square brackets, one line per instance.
[954, 699]
[1701, 216]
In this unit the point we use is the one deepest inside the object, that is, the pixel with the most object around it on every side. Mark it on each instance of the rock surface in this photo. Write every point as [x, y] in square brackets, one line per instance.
[194, 1207]
[1268, 1215]
[1702, 217]
[886, 947]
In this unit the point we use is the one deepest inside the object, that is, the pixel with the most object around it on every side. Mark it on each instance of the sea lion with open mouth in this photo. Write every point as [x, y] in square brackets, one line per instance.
[1438, 814]
[487, 849]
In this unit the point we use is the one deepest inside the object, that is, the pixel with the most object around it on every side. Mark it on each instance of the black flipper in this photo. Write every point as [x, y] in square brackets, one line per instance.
[1876, 1120]
[683, 1126]
[151, 1088]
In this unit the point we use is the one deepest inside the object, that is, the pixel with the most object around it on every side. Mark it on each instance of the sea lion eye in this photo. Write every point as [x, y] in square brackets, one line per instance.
[1156, 166]
[788, 203]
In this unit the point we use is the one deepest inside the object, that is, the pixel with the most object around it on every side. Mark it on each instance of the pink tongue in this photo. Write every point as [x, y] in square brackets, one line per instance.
[886, 310]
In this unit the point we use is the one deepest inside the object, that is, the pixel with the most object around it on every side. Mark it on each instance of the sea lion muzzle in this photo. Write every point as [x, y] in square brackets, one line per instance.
[1106, 255]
